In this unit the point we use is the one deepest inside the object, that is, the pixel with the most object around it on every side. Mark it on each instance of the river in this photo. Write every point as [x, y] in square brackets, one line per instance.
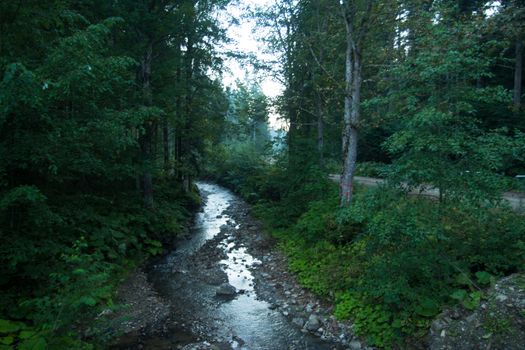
[190, 276]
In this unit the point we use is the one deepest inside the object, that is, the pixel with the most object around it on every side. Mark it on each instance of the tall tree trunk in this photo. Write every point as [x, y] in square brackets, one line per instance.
[351, 120]
[146, 139]
[320, 127]
[188, 110]
[322, 23]
[254, 132]
[349, 131]
[518, 71]
[178, 131]
[352, 108]
[145, 142]
[166, 145]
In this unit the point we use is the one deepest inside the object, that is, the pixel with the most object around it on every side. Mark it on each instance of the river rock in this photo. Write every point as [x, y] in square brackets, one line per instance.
[355, 345]
[313, 323]
[298, 321]
[200, 346]
[273, 306]
[225, 289]
[309, 308]
[214, 276]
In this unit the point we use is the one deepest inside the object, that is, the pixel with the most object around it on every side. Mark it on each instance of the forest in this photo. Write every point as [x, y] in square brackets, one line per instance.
[111, 110]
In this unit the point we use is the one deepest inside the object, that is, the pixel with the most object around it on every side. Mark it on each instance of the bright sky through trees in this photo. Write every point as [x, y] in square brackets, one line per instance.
[244, 41]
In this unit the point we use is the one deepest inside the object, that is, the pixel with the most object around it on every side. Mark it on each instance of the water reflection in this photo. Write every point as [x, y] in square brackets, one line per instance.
[245, 322]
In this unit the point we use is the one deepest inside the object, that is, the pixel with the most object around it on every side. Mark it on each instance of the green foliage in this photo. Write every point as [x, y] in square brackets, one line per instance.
[72, 113]
[394, 262]
[370, 169]
[439, 139]
[79, 279]
[378, 324]
[470, 301]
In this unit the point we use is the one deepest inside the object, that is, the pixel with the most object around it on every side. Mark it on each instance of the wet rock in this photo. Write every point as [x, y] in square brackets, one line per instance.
[438, 325]
[214, 276]
[355, 345]
[309, 308]
[501, 297]
[105, 312]
[313, 323]
[273, 306]
[200, 346]
[226, 289]
[298, 321]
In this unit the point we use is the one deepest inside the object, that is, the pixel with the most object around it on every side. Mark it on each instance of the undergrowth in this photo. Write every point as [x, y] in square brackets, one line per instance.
[391, 263]
[84, 250]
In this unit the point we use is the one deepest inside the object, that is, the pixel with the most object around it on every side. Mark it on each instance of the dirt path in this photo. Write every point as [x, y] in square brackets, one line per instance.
[515, 199]
[227, 287]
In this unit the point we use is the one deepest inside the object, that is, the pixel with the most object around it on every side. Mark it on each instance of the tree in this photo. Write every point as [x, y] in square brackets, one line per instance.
[357, 18]
[512, 19]
[439, 140]
[84, 88]
[248, 116]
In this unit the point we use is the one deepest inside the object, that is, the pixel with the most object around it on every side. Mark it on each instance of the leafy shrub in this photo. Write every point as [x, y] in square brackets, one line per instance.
[371, 169]
[394, 261]
[86, 245]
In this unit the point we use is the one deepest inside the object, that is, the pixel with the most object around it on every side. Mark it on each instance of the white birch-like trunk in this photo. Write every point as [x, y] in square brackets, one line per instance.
[353, 81]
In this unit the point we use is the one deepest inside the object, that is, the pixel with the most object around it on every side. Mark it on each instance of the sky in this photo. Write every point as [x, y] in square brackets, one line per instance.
[244, 41]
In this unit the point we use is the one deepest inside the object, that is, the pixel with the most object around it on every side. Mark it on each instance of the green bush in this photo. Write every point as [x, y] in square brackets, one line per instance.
[86, 245]
[394, 262]
[370, 169]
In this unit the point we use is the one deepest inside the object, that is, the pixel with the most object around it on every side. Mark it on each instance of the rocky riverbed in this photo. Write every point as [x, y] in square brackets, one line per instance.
[226, 287]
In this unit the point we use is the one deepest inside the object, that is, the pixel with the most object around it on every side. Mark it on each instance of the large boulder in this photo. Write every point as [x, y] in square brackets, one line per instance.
[226, 290]
[313, 323]
[498, 323]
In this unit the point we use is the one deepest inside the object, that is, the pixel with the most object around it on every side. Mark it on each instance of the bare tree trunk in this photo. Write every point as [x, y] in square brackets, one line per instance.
[349, 137]
[518, 71]
[254, 133]
[320, 127]
[353, 80]
[145, 142]
[146, 139]
[178, 132]
[166, 145]
[185, 143]
[319, 101]
[351, 120]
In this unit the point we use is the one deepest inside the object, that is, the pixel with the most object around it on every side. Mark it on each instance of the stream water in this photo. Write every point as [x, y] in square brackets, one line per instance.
[189, 277]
